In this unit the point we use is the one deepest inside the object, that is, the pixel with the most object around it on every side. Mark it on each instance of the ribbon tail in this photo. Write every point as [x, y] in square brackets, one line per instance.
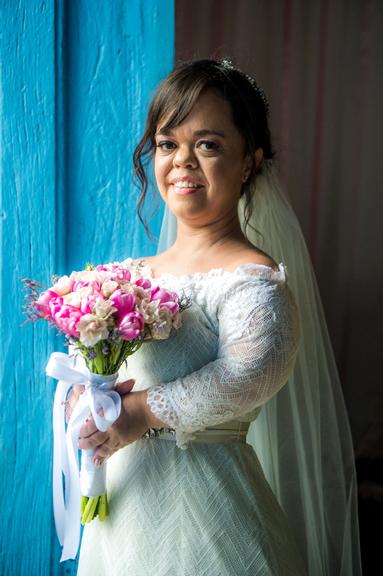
[71, 540]
[60, 461]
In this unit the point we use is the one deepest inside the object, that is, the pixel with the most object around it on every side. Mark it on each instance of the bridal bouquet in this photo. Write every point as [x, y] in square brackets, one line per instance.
[106, 312]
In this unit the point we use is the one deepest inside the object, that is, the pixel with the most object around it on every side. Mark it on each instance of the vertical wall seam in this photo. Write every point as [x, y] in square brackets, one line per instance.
[59, 137]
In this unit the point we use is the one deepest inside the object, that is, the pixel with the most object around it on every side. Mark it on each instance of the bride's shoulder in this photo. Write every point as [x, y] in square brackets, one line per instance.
[254, 256]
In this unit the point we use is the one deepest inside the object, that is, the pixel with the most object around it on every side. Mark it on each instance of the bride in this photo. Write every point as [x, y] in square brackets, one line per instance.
[192, 498]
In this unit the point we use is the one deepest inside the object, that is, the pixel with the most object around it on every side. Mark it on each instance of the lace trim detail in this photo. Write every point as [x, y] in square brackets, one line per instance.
[264, 272]
[200, 286]
[159, 404]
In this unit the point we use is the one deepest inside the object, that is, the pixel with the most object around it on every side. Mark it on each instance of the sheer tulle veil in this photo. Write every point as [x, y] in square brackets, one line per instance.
[302, 435]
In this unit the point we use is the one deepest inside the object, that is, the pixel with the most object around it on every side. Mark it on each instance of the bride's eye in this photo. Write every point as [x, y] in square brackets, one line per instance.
[165, 145]
[208, 146]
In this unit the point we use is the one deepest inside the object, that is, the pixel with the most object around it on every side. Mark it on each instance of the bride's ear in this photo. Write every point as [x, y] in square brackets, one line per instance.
[258, 158]
[249, 164]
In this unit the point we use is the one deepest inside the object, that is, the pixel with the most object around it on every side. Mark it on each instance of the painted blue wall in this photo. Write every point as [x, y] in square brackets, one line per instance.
[75, 81]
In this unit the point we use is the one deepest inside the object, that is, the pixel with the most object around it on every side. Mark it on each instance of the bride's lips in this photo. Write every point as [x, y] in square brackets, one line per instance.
[180, 186]
[185, 191]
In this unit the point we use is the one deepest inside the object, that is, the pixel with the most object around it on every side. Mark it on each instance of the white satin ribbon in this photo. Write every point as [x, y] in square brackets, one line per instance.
[98, 395]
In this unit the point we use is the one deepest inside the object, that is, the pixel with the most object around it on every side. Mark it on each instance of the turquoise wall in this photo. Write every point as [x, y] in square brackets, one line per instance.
[75, 80]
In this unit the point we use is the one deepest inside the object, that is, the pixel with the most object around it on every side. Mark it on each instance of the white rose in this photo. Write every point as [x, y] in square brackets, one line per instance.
[108, 287]
[140, 293]
[75, 298]
[91, 276]
[161, 328]
[92, 329]
[63, 286]
[103, 308]
[149, 310]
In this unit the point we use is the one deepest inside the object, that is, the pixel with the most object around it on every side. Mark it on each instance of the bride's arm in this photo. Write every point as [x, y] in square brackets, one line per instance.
[258, 342]
[259, 336]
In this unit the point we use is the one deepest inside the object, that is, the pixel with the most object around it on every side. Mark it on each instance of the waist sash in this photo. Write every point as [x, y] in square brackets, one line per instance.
[228, 432]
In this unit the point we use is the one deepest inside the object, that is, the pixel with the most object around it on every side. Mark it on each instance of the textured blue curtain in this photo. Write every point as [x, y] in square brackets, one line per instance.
[75, 80]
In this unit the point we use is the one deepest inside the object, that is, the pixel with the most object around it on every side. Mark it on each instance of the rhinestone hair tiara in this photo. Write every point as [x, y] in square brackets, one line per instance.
[228, 65]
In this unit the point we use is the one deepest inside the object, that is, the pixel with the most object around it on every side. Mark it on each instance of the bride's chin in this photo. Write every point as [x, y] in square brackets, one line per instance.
[186, 209]
[186, 216]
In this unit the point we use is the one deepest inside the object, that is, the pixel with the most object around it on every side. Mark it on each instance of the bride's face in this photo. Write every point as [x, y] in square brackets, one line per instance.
[200, 165]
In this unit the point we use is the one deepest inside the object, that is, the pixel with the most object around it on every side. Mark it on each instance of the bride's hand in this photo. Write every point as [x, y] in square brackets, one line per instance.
[78, 389]
[133, 422]
[74, 395]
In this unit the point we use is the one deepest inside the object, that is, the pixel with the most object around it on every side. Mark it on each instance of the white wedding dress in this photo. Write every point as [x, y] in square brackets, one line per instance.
[196, 502]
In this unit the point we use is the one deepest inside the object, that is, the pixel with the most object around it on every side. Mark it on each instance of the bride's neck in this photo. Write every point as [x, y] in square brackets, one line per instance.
[193, 241]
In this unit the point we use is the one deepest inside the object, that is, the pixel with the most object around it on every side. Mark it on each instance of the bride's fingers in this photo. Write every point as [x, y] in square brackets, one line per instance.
[77, 390]
[88, 428]
[72, 399]
[125, 387]
[103, 452]
[93, 441]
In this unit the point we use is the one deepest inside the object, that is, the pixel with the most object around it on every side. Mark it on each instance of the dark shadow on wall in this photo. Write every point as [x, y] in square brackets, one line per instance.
[320, 66]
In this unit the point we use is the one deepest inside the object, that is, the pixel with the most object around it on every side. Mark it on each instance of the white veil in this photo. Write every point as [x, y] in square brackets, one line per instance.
[302, 435]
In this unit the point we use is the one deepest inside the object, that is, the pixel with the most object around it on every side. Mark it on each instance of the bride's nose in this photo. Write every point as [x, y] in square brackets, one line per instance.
[185, 156]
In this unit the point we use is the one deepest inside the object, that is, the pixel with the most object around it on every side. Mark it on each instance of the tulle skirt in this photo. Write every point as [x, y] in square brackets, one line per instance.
[203, 511]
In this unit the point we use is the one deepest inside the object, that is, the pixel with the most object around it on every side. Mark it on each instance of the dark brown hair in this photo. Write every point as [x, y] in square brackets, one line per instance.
[175, 98]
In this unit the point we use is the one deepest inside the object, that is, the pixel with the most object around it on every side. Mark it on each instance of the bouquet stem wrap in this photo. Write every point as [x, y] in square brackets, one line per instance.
[98, 398]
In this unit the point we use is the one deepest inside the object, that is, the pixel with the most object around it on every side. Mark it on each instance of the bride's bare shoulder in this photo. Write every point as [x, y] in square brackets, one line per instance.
[255, 256]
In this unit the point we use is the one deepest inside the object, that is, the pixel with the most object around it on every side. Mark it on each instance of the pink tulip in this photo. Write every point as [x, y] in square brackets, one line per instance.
[55, 305]
[102, 268]
[121, 275]
[123, 301]
[42, 304]
[143, 283]
[66, 318]
[95, 285]
[167, 299]
[131, 326]
[88, 302]
[117, 271]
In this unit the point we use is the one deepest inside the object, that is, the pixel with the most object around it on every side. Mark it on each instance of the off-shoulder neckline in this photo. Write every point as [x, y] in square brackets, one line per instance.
[265, 272]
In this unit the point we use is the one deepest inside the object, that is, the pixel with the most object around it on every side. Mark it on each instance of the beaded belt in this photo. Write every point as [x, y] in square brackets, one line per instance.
[233, 431]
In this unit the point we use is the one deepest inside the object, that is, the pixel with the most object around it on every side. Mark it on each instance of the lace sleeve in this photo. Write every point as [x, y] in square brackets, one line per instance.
[258, 342]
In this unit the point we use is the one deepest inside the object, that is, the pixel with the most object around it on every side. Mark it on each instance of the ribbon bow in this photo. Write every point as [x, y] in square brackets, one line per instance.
[98, 396]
